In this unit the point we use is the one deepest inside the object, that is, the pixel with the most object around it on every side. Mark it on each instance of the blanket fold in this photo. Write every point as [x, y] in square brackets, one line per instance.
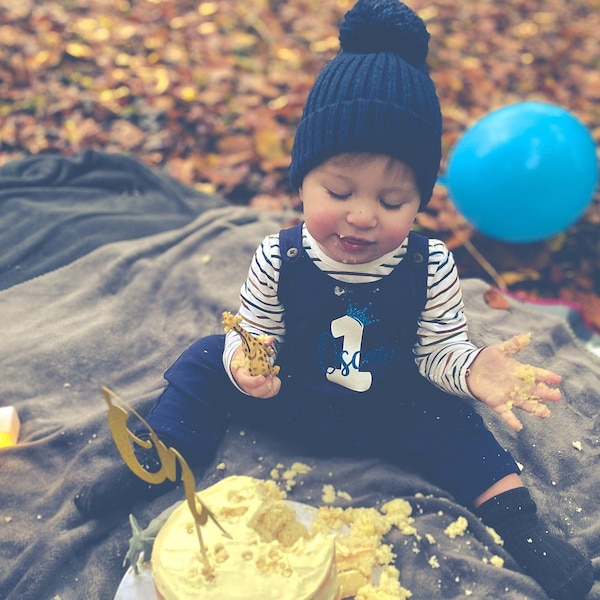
[118, 309]
[55, 208]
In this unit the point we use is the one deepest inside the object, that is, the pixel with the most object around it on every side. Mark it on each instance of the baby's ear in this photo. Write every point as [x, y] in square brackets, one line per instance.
[300, 194]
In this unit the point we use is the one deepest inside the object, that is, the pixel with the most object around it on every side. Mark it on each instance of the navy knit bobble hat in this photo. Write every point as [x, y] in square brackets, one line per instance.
[375, 96]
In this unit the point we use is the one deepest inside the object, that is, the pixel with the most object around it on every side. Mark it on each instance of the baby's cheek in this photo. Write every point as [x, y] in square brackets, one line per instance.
[394, 235]
[321, 223]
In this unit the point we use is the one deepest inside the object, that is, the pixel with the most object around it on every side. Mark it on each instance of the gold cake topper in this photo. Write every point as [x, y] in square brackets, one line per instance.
[168, 458]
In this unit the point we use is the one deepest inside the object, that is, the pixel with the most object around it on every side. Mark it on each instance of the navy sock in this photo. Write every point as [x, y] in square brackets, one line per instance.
[560, 569]
[119, 488]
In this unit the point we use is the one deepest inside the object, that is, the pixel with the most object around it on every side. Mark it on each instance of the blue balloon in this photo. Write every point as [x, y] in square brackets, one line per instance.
[523, 173]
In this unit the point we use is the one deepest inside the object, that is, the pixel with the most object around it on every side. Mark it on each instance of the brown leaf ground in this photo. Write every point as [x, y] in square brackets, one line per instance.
[211, 92]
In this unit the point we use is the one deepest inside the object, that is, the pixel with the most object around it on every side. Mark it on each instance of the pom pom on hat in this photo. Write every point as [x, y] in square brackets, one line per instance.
[375, 96]
[385, 26]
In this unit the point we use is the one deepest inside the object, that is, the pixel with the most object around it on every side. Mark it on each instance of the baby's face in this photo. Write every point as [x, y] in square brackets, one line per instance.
[359, 207]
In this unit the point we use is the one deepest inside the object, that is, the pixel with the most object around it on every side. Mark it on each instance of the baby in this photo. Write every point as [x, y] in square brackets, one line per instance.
[365, 317]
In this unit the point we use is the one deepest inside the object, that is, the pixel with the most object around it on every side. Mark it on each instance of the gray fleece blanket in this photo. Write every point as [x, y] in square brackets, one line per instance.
[108, 272]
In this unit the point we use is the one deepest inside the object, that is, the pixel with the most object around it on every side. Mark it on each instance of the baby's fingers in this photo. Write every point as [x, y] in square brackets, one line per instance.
[546, 393]
[533, 403]
[269, 340]
[545, 376]
[531, 406]
[535, 407]
[265, 386]
[515, 344]
[535, 382]
[509, 417]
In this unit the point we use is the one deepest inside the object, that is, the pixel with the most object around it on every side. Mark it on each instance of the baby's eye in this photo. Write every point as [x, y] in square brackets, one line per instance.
[391, 205]
[337, 195]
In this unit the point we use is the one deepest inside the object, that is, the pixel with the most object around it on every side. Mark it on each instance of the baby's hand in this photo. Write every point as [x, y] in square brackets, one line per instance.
[259, 386]
[502, 383]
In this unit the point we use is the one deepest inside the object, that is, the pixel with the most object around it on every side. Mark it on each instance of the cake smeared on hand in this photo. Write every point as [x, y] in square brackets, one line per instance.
[257, 353]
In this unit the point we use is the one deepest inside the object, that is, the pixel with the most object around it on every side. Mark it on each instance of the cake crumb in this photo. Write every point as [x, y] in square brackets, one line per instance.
[398, 512]
[577, 446]
[360, 548]
[290, 474]
[497, 561]
[8, 519]
[328, 495]
[457, 528]
[344, 495]
[388, 588]
[434, 563]
[301, 468]
[495, 535]
[221, 466]
[277, 521]
[275, 472]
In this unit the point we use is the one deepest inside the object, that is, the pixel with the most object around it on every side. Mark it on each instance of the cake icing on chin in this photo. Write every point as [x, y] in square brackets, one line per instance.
[270, 554]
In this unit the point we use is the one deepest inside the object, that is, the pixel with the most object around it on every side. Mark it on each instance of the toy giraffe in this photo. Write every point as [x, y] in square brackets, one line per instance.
[256, 352]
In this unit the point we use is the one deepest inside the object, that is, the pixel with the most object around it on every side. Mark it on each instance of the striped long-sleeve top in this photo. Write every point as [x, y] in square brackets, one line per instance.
[443, 352]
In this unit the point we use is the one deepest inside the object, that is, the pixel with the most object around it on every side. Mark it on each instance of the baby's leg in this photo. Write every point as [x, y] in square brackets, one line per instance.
[191, 412]
[447, 439]
[189, 416]
[559, 568]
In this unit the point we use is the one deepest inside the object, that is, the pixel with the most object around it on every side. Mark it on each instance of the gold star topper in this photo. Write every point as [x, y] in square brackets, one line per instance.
[168, 458]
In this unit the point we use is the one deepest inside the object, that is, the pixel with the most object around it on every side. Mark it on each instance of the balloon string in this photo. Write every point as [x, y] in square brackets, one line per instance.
[485, 264]
[465, 240]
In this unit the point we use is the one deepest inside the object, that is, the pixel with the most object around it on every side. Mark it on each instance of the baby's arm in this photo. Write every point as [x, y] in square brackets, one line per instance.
[262, 315]
[446, 356]
[443, 352]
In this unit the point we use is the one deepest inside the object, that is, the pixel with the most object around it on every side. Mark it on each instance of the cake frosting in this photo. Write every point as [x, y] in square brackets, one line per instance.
[270, 555]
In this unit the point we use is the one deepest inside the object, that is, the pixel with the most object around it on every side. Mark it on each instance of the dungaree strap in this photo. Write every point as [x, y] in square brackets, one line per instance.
[417, 257]
[290, 243]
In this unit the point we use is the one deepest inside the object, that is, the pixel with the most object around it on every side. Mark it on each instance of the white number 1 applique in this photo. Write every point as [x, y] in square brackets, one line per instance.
[349, 375]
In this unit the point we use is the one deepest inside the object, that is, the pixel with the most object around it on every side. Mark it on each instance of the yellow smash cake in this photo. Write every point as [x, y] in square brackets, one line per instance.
[270, 554]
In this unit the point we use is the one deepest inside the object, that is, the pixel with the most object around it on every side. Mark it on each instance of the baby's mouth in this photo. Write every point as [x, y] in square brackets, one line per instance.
[350, 242]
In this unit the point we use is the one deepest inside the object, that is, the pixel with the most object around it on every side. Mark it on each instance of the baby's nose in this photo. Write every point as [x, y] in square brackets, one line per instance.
[362, 217]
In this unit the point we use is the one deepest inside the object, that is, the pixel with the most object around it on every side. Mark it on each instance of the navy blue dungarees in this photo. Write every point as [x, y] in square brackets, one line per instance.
[349, 382]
